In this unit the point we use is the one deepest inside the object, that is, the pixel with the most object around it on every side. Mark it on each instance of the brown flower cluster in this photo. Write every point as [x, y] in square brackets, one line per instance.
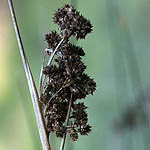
[67, 81]
[52, 39]
[72, 22]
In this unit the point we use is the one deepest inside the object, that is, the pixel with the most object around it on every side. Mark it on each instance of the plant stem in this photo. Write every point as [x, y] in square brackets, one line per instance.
[51, 58]
[41, 77]
[67, 121]
[49, 62]
[31, 83]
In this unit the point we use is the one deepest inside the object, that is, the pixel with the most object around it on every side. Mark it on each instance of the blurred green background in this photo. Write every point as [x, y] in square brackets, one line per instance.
[117, 57]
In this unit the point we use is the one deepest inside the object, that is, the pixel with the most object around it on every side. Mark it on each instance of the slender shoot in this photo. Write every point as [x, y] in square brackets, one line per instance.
[67, 121]
[31, 83]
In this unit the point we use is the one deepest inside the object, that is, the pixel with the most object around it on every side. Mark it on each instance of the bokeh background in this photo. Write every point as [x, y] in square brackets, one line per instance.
[117, 57]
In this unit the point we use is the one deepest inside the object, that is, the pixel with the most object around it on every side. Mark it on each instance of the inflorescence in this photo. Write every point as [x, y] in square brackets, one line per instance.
[67, 81]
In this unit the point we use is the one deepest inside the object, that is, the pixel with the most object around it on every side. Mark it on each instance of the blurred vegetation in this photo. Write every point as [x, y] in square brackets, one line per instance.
[117, 57]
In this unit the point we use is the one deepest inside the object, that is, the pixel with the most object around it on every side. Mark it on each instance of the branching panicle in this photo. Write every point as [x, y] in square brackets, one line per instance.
[67, 81]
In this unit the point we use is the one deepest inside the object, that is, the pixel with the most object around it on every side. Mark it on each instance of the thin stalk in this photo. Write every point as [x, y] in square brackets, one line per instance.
[54, 95]
[67, 121]
[52, 56]
[41, 77]
[42, 81]
[31, 83]
[51, 99]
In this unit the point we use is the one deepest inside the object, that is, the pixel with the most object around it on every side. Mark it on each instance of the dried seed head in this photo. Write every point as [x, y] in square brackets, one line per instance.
[72, 22]
[67, 76]
[52, 38]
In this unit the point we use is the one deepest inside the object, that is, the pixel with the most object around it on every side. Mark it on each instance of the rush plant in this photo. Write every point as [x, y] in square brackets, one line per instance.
[63, 81]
